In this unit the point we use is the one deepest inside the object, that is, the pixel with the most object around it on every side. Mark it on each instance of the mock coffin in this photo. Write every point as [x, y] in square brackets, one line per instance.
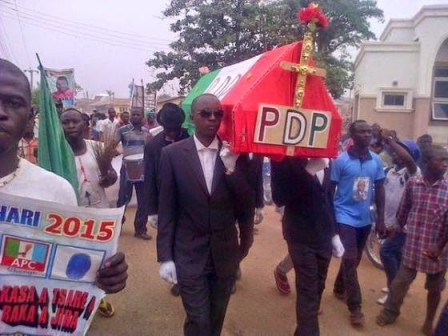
[276, 104]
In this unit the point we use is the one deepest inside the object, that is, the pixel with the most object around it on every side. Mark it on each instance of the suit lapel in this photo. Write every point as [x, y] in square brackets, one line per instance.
[192, 158]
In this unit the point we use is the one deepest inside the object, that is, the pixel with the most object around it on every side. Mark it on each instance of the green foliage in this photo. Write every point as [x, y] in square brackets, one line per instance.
[217, 33]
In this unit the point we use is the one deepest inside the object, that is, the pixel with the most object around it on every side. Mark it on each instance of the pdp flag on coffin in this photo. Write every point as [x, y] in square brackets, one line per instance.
[257, 96]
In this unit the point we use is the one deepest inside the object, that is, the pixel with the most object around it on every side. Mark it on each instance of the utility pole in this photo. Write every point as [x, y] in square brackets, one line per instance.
[31, 71]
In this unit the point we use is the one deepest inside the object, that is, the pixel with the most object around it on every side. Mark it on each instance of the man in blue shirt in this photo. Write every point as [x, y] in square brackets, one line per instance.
[358, 175]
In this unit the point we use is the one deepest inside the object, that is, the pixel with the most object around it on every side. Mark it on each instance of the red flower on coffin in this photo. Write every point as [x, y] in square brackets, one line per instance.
[312, 15]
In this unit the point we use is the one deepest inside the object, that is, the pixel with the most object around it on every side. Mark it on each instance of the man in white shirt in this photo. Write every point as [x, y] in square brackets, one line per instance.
[202, 196]
[109, 125]
[21, 178]
[405, 155]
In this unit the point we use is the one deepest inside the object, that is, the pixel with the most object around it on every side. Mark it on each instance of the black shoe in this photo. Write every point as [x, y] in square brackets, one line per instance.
[143, 236]
[175, 291]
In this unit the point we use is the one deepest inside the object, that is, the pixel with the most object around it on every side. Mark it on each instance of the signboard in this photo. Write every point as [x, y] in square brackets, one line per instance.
[289, 126]
[49, 256]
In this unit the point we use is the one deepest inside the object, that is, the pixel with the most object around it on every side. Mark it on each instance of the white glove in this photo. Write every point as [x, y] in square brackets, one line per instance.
[316, 164]
[228, 158]
[153, 219]
[167, 271]
[338, 248]
[258, 218]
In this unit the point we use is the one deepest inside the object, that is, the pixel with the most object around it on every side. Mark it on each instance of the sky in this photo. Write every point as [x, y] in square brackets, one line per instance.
[107, 42]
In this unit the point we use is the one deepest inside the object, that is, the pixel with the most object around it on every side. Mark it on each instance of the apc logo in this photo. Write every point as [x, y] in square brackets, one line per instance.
[24, 254]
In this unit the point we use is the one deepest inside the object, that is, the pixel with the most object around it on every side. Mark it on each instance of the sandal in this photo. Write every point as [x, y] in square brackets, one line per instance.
[106, 309]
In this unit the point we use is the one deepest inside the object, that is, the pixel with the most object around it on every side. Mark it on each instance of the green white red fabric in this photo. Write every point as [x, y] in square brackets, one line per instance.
[260, 80]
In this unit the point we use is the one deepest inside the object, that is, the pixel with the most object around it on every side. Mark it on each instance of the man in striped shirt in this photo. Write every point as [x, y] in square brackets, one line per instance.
[424, 211]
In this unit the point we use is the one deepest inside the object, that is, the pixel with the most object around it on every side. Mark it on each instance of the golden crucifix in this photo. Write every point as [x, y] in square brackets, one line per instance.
[303, 69]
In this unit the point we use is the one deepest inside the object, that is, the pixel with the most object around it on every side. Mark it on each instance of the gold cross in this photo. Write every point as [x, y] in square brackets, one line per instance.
[303, 69]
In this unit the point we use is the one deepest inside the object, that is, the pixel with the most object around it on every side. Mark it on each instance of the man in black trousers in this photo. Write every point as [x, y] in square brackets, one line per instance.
[203, 192]
[309, 230]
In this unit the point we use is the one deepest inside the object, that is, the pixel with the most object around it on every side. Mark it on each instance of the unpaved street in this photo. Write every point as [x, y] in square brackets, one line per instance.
[146, 308]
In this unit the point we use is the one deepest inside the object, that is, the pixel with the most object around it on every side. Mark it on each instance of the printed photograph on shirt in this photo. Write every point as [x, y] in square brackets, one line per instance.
[360, 188]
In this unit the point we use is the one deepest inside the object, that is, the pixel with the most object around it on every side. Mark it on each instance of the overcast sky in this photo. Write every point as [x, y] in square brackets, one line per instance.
[110, 40]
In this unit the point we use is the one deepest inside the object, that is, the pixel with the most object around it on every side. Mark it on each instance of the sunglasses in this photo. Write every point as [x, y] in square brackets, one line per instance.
[207, 114]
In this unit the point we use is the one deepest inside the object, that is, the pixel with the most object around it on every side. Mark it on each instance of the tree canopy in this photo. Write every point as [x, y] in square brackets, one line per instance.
[218, 33]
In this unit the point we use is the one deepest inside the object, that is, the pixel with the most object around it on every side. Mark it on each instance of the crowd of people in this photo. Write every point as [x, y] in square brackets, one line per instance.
[204, 199]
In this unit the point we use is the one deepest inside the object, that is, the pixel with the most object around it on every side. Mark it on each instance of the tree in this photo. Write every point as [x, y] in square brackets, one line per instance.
[217, 33]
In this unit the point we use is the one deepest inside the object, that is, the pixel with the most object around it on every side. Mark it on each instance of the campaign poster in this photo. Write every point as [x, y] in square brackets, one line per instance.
[49, 256]
[62, 85]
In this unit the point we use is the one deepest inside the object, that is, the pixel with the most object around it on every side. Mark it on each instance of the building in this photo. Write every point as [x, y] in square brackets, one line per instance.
[401, 81]
[102, 104]
[175, 100]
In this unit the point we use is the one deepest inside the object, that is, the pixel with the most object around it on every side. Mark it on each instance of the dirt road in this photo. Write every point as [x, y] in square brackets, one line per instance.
[146, 308]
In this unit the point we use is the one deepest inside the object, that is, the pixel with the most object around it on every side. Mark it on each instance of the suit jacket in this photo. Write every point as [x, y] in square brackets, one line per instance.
[195, 225]
[308, 217]
[255, 168]
[153, 151]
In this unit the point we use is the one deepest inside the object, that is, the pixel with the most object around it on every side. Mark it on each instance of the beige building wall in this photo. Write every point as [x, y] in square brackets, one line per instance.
[402, 122]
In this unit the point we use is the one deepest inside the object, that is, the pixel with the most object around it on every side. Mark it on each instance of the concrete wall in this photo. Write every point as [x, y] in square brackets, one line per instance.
[432, 33]
[400, 34]
[381, 68]
[402, 122]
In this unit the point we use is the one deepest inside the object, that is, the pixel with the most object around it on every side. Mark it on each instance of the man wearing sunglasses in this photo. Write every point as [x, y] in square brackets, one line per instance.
[202, 196]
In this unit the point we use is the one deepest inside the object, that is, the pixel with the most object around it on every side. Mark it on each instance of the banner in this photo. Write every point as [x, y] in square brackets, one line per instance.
[137, 95]
[49, 256]
[55, 154]
[62, 85]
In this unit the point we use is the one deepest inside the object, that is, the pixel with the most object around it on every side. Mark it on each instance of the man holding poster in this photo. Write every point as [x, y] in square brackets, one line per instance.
[20, 178]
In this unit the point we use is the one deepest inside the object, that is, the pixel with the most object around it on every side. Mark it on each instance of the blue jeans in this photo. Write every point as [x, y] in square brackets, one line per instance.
[390, 254]
[442, 325]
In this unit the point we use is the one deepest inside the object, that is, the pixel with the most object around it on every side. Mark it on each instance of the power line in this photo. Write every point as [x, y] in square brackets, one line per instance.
[85, 35]
[63, 29]
[80, 29]
[23, 36]
[82, 25]
[6, 42]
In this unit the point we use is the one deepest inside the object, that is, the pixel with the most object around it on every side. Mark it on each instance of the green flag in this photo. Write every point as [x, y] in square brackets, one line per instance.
[202, 84]
[54, 153]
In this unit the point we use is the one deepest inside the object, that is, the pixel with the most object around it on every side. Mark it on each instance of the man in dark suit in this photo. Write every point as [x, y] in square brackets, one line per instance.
[309, 230]
[202, 196]
[170, 117]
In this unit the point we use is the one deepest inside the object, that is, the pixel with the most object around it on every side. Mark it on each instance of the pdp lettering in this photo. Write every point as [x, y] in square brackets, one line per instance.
[282, 125]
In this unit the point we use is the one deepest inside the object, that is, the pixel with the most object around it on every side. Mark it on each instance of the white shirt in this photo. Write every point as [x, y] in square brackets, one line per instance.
[107, 124]
[91, 194]
[35, 182]
[394, 185]
[207, 157]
